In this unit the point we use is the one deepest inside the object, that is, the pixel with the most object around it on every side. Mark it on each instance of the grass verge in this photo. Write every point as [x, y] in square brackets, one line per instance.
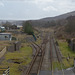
[66, 51]
[23, 57]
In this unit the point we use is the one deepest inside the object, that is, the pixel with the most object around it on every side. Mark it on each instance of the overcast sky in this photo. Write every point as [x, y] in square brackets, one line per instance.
[34, 9]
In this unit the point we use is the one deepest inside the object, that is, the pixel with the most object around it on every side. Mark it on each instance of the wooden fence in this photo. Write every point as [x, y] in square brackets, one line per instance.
[4, 71]
[2, 52]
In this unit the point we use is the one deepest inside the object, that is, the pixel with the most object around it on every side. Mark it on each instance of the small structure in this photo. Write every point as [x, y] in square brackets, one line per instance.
[2, 29]
[5, 36]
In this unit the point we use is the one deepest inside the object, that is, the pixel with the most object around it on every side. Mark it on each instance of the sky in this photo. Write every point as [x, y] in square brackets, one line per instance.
[34, 9]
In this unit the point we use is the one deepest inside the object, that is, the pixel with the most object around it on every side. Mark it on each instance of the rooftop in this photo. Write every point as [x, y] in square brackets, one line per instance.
[5, 33]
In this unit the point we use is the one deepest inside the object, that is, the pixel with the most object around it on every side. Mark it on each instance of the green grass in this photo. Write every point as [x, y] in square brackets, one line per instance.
[65, 50]
[38, 41]
[23, 56]
[57, 65]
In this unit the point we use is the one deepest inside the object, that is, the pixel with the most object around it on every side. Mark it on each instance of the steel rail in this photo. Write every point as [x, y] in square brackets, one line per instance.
[34, 59]
[59, 59]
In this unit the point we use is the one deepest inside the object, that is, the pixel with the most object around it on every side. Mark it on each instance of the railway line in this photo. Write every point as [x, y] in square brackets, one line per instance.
[51, 56]
[46, 55]
[35, 65]
[56, 56]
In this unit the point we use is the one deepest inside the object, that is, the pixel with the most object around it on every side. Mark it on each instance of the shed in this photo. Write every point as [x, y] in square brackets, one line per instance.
[5, 36]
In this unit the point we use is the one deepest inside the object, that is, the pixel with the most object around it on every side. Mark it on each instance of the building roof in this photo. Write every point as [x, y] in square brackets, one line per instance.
[5, 33]
[2, 27]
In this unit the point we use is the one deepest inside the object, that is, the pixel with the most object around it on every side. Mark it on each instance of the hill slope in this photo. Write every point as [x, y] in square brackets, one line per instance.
[42, 22]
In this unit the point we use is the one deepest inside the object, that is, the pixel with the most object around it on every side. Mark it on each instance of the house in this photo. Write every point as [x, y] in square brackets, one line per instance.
[5, 36]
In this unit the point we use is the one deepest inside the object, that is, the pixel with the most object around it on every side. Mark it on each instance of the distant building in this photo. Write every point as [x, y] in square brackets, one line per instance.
[5, 36]
[19, 26]
[2, 28]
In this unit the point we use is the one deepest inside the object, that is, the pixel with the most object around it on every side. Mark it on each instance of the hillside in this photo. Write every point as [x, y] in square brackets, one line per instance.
[45, 22]
[63, 16]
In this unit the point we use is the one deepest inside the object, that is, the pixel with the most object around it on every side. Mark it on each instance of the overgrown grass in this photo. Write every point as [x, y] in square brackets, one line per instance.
[66, 52]
[65, 49]
[57, 65]
[24, 56]
[38, 41]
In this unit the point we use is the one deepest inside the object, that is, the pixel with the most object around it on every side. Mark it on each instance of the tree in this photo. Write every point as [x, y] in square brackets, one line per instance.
[27, 27]
[13, 26]
[7, 25]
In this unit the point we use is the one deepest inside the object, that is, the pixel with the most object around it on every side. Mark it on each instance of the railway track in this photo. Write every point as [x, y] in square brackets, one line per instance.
[57, 52]
[59, 57]
[36, 63]
[55, 55]
[51, 56]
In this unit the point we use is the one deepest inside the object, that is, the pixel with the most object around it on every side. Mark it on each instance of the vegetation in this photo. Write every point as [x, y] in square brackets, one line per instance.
[27, 27]
[66, 52]
[70, 27]
[22, 57]
[57, 65]
[65, 49]
[7, 25]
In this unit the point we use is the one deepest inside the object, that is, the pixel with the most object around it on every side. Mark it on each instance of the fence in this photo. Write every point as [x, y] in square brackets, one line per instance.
[4, 71]
[2, 52]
